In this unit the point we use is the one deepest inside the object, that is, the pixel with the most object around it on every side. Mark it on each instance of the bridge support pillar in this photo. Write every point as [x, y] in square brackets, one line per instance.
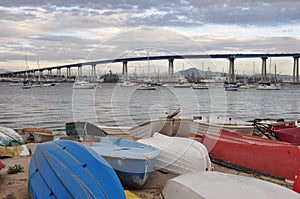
[68, 73]
[231, 75]
[264, 69]
[58, 73]
[94, 77]
[171, 68]
[49, 73]
[79, 72]
[41, 73]
[296, 70]
[125, 70]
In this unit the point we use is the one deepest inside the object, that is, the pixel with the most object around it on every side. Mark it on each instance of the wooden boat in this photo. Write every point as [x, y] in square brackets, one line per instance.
[169, 125]
[179, 155]
[132, 161]
[211, 185]
[36, 135]
[66, 169]
[280, 160]
[213, 124]
[81, 128]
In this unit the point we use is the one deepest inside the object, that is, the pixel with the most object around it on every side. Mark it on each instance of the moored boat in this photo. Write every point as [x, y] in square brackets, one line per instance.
[66, 169]
[212, 185]
[179, 155]
[200, 85]
[146, 87]
[183, 85]
[280, 160]
[132, 161]
[127, 84]
[268, 86]
[36, 135]
[230, 86]
[83, 85]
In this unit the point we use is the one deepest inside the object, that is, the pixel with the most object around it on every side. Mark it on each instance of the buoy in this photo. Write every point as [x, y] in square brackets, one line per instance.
[296, 186]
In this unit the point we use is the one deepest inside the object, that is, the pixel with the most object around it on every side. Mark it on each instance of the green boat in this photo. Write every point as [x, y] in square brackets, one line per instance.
[81, 128]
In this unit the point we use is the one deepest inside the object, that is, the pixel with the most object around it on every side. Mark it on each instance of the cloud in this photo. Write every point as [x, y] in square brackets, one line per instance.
[70, 31]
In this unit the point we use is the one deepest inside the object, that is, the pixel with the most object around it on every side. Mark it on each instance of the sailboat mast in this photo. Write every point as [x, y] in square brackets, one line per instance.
[275, 73]
[148, 65]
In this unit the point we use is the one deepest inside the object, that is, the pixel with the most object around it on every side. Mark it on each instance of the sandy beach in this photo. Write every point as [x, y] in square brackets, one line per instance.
[15, 186]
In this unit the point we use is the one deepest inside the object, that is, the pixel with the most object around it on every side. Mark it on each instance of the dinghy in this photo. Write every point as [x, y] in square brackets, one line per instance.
[66, 169]
[179, 155]
[212, 185]
[280, 160]
[213, 124]
[81, 128]
[132, 161]
[11, 143]
[36, 135]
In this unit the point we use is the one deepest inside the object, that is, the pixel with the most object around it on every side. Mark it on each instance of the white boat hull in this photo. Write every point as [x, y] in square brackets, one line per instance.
[212, 124]
[211, 185]
[179, 155]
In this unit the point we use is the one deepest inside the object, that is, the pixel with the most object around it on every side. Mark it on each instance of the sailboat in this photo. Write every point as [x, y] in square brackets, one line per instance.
[81, 84]
[26, 83]
[183, 83]
[148, 85]
[268, 85]
[230, 85]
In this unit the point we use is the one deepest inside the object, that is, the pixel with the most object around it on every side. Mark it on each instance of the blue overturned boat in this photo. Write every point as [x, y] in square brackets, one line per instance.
[132, 161]
[68, 169]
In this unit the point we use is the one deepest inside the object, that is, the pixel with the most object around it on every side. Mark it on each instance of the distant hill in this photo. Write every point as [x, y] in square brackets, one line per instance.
[3, 70]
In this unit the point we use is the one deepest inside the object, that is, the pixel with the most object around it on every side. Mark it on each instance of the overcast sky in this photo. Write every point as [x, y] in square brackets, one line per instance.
[63, 31]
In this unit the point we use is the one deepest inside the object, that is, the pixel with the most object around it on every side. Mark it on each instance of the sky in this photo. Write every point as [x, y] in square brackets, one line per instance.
[50, 33]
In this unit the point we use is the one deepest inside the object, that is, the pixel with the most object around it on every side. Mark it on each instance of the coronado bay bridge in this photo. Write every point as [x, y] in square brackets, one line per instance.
[171, 59]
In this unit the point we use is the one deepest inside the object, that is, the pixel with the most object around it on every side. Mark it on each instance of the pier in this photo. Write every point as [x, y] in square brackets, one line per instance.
[170, 58]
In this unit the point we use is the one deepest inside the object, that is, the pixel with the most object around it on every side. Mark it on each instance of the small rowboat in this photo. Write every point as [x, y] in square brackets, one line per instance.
[132, 161]
[272, 158]
[11, 143]
[67, 169]
[213, 124]
[179, 155]
[211, 185]
[83, 128]
[36, 135]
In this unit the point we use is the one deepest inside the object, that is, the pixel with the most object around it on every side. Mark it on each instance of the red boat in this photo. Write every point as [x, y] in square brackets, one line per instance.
[291, 135]
[280, 160]
[282, 131]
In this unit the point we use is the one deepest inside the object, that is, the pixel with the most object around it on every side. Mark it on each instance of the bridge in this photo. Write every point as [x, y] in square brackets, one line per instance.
[170, 58]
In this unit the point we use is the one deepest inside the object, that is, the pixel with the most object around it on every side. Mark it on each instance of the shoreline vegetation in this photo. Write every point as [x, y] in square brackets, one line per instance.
[15, 186]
